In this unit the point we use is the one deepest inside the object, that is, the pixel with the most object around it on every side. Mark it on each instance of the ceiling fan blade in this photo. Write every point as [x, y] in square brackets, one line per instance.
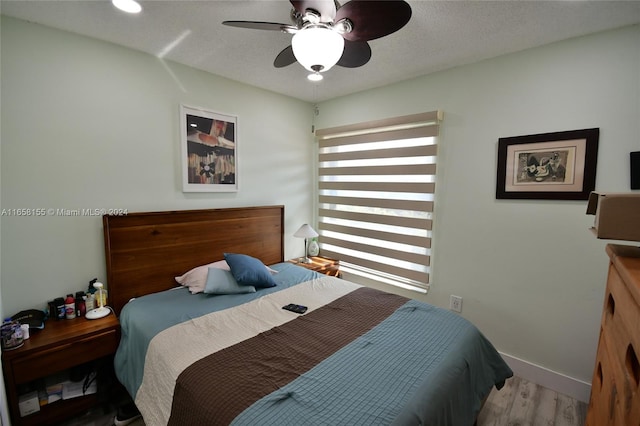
[356, 54]
[256, 25]
[285, 58]
[374, 19]
[326, 8]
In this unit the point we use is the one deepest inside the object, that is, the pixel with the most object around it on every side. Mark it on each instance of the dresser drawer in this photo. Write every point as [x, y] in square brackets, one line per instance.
[62, 357]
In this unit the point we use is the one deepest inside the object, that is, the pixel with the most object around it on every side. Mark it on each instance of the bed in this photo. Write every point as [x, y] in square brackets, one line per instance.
[357, 356]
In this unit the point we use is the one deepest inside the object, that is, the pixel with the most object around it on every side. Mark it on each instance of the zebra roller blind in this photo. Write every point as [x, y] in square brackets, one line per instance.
[375, 197]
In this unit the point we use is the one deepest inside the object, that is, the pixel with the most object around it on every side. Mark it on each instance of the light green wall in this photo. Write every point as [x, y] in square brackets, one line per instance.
[87, 124]
[531, 275]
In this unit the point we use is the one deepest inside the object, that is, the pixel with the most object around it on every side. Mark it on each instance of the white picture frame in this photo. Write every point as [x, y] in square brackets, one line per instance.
[209, 150]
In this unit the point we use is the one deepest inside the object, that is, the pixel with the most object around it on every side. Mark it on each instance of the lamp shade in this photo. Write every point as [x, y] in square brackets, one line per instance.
[317, 48]
[305, 231]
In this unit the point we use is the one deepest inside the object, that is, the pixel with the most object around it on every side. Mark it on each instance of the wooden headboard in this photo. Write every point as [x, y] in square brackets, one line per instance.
[146, 251]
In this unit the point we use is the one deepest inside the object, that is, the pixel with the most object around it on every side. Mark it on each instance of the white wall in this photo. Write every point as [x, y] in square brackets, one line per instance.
[88, 124]
[531, 275]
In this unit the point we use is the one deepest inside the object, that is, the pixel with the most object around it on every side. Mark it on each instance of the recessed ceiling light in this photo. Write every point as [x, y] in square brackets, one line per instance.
[316, 76]
[129, 6]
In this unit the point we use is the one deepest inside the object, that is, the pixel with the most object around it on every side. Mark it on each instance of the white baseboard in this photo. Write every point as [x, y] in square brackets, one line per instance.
[560, 383]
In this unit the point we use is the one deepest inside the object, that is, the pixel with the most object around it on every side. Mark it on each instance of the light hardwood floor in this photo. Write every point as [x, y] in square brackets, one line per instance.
[521, 402]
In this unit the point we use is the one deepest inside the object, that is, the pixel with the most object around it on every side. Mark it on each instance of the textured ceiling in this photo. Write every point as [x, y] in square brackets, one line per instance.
[440, 35]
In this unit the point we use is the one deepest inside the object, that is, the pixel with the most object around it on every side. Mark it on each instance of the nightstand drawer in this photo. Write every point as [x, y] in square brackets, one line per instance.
[65, 356]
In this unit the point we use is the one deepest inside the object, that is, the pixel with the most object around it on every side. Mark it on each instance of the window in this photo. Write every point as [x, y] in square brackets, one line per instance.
[375, 197]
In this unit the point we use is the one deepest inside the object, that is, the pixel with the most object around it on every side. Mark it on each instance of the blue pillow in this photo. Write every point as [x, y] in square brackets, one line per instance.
[220, 281]
[248, 270]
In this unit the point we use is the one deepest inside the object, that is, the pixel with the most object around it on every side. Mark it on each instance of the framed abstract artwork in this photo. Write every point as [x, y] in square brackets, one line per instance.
[552, 166]
[209, 155]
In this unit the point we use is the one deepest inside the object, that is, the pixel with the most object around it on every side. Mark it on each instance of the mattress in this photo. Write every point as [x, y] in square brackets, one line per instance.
[358, 356]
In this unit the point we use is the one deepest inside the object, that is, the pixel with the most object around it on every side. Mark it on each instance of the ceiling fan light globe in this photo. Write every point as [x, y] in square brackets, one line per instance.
[317, 46]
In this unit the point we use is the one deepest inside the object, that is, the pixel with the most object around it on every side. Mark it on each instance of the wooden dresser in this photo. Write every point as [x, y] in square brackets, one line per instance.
[615, 388]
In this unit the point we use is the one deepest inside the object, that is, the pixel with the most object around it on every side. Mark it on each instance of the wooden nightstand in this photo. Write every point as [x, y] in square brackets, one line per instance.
[324, 265]
[62, 344]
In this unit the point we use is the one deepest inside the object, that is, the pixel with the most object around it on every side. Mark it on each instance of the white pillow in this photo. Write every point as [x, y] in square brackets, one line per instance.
[196, 278]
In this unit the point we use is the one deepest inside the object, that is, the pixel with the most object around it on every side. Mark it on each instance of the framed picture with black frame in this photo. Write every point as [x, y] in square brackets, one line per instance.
[548, 166]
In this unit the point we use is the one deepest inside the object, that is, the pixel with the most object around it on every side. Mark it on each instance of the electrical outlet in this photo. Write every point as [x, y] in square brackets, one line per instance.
[455, 303]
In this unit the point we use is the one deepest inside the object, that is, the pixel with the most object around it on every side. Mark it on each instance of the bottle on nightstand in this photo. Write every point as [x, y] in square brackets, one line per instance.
[314, 249]
[70, 307]
[89, 302]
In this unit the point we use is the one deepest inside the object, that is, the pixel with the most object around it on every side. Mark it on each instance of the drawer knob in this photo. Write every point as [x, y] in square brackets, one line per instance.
[600, 379]
[633, 366]
[611, 305]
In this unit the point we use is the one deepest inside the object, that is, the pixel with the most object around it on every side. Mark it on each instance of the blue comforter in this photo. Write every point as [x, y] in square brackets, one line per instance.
[421, 365]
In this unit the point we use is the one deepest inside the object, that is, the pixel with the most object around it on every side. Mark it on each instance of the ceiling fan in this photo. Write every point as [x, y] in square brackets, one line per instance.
[326, 33]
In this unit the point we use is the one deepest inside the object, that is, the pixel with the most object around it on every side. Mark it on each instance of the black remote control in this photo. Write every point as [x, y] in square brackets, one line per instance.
[298, 309]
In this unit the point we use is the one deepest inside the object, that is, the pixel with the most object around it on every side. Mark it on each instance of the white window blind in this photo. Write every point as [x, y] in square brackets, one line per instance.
[375, 197]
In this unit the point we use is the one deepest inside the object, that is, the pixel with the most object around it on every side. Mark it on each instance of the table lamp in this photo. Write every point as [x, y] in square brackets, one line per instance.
[305, 232]
[101, 311]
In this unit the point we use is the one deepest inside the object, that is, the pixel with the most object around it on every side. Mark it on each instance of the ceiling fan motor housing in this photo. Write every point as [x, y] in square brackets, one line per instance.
[326, 33]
